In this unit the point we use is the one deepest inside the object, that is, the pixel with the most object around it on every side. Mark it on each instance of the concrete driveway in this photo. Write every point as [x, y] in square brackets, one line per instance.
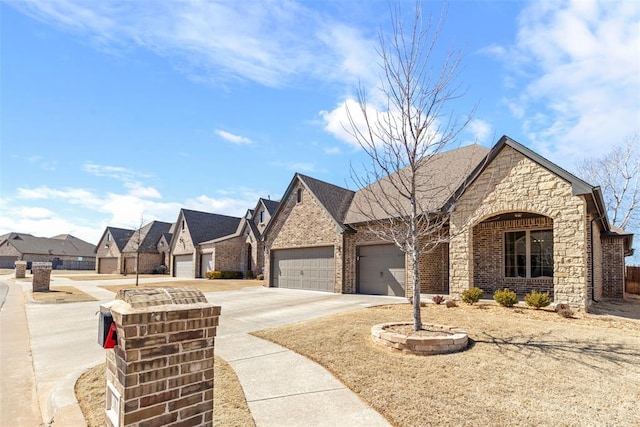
[282, 388]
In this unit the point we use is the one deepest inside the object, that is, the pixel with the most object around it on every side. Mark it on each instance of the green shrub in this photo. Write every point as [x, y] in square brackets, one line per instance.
[505, 297]
[537, 299]
[224, 274]
[249, 274]
[472, 295]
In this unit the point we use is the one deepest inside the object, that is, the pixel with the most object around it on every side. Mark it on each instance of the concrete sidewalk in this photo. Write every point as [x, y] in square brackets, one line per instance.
[18, 400]
[282, 388]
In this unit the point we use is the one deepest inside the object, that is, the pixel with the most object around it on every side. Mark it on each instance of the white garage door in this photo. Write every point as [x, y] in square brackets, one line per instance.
[183, 266]
[308, 268]
[107, 265]
[206, 264]
[381, 270]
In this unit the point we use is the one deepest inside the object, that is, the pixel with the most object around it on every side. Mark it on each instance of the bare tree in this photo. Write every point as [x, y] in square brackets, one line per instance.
[618, 173]
[397, 199]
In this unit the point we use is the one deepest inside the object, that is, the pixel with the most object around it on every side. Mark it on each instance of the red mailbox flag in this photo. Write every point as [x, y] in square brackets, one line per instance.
[112, 337]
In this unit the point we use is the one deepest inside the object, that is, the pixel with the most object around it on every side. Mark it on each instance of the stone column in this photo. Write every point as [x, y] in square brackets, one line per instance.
[161, 369]
[41, 276]
[21, 269]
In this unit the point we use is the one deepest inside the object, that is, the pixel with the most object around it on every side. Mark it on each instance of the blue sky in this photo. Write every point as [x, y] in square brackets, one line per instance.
[113, 112]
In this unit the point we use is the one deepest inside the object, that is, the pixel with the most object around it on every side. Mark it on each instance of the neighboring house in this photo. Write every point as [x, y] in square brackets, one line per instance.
[188, 259]
[164, 248]
[141, 252]
[244, 249]
[63, 251]
[515, 220]
[109, 250]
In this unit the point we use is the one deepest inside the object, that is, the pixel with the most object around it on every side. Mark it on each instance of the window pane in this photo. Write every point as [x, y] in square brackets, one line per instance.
[515, 254]
[542, 253]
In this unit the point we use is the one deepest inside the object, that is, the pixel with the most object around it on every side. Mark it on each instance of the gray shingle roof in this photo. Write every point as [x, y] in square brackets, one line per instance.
[150, 235]
[61, 245]
[270, 205]
[205, 226]
[336, 200]
[437, 180]
[120, 236]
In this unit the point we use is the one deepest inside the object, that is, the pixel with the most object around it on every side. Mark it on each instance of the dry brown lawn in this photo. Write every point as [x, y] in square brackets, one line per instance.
[61, 294]
[229, 405]
[523, 367]
[203, 285]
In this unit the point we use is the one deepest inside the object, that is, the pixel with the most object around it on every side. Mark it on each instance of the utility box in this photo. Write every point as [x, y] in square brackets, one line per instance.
[160, 372]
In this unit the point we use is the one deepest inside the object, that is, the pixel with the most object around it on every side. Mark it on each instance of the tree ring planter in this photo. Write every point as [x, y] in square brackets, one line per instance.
[433, 339]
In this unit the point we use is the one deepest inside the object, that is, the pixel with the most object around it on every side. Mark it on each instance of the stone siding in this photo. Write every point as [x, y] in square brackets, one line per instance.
[302, 225]
[514, 183]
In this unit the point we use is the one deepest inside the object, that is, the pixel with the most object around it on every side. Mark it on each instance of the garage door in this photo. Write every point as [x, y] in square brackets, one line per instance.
[7, 261]
[309, 268]
[108, 265]
[206, 264]
[381, 270]
[183, 266]
[130, 265]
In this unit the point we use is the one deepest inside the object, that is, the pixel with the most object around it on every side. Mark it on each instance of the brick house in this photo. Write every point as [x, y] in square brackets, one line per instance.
[117, 250]
[189, 257]
[514, 220]
[63, 251]
[142, 249]
[244, 249]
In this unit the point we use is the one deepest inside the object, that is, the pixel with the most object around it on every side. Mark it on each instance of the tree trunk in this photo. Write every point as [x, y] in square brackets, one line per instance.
[417, 317]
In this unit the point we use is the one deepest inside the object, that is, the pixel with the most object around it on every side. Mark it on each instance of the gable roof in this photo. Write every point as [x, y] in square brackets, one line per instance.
[332, 199]
[336, 200]
[205, 226]
[578, 186]
[61, 245]
[120, 236]
[150, 235]
[436, 181]
[270, 205]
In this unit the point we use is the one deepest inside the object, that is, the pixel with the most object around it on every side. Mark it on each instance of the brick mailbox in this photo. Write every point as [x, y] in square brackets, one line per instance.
[21, 269]
[160, 371]
[41, 276]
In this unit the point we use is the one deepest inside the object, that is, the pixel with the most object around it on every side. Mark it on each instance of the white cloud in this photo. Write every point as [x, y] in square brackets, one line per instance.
[332, 150]
[480, 129]
[236, 139]
[271, 43]
[115, 172]
[35, 213]
[577, 72]
[338, 124]
[295, 166]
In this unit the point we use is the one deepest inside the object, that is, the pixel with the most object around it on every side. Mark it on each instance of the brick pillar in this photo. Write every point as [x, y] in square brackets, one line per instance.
[41, 276]
[21, 269]
[161, 370]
